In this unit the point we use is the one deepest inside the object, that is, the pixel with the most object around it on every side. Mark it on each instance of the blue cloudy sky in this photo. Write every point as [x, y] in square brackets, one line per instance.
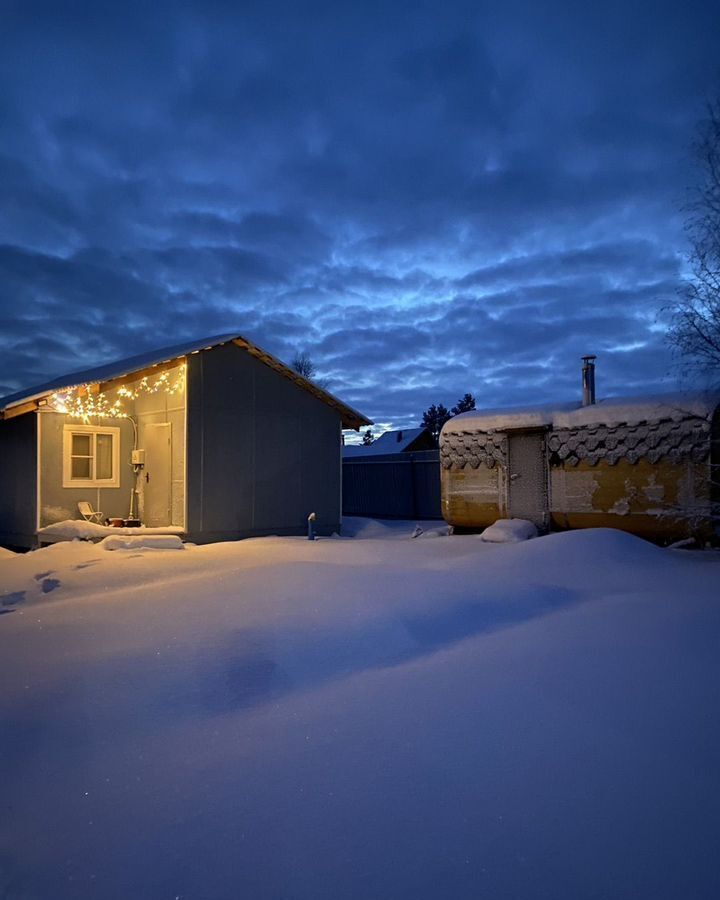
[428, 198]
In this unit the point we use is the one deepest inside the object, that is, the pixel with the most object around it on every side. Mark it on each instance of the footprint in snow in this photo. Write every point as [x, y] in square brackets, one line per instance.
[41, 575]
[13, 598]
[85, 565]
[49, 584]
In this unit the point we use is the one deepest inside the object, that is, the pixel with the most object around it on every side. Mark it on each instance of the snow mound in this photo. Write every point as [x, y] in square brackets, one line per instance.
[589, 548]
[144, 542]
[72, 529]
[6, 554]
[509, 531]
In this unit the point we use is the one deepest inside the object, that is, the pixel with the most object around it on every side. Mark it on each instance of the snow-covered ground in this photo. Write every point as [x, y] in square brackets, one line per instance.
[372, 717]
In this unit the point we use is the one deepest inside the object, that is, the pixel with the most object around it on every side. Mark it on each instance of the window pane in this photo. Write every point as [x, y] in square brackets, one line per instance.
[103, 460]
[81, 445]
[80, 467]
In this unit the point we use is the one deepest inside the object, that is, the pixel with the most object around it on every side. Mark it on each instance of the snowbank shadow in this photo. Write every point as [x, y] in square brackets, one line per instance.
[251, 669]
[247, 669]
[237, 674]
[246, 681]
[461, 620]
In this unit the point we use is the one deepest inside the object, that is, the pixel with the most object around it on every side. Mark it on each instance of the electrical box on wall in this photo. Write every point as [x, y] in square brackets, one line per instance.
[138, 458]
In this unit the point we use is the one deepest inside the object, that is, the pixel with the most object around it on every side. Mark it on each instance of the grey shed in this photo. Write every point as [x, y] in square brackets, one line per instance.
[215, 438]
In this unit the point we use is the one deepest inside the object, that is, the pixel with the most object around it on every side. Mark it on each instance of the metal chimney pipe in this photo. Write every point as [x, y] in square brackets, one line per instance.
[588, 380]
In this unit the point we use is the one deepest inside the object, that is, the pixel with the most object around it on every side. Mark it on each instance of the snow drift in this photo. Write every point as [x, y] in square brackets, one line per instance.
[509, 531]
[361, 718]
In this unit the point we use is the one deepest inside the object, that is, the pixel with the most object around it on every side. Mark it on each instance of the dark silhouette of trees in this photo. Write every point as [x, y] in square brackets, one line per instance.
[303, 365]
[695, 327]
[434, 418]
[368, 438]
[464, 404]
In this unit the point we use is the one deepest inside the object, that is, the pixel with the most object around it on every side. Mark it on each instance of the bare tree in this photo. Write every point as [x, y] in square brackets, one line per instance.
[303, 365]
[695, 327]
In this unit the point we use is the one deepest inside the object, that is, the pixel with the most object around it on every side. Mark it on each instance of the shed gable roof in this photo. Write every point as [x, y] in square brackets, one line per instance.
[26, 400]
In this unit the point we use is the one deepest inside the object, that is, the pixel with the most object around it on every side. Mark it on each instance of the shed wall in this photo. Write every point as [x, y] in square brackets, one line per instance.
[58, 503]
[18, 481]
[262, 453]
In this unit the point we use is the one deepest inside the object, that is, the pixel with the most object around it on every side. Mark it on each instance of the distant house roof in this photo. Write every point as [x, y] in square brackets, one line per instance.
[26, 400]
[388, 442]
[611, 411]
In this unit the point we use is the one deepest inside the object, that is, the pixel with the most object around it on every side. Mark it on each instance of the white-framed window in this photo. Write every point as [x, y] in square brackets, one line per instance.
[91, 456]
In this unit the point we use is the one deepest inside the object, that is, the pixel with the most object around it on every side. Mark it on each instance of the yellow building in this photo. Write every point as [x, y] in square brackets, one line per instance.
[642, 464]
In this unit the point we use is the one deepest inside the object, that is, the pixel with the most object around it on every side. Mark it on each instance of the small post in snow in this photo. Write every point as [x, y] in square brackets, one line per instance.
[311, 526]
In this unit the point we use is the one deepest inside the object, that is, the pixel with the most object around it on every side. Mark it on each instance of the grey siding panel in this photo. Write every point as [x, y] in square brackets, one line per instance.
[194, 440]
[18, 480]
[262, 452]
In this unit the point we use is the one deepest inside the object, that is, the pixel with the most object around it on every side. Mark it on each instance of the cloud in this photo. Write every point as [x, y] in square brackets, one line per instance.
[426, 202]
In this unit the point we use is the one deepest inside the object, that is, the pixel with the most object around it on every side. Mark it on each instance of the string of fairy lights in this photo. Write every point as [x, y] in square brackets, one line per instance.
[80, 403]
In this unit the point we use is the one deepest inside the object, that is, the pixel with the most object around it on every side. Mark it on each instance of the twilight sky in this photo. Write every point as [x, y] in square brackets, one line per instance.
[427, 198]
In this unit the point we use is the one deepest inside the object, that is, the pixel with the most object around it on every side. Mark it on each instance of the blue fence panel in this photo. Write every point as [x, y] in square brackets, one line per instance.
[393, 486]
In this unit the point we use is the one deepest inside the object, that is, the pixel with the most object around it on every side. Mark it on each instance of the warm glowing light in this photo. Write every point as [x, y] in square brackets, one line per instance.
[162, 383]
[80, 403]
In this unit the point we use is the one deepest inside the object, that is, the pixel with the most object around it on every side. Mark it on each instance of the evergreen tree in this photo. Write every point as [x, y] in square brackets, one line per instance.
[368, 438]
[434, 418]
[465, 404]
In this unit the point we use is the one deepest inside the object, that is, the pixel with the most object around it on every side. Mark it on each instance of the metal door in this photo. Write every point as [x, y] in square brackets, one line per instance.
[156, 475]
[527, 478]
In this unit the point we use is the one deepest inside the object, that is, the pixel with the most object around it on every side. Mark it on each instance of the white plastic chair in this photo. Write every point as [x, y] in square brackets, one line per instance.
[88, 513]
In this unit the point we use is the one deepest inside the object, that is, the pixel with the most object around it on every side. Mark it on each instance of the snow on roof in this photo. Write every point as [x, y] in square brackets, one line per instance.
[388, 442]
[115, 369]
[118, 368]
[611, 411]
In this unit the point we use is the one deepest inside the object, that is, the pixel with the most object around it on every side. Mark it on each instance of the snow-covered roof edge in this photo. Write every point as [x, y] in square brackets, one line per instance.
[120, 368]
[115, 369]
[610, 411]
[386, 443]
